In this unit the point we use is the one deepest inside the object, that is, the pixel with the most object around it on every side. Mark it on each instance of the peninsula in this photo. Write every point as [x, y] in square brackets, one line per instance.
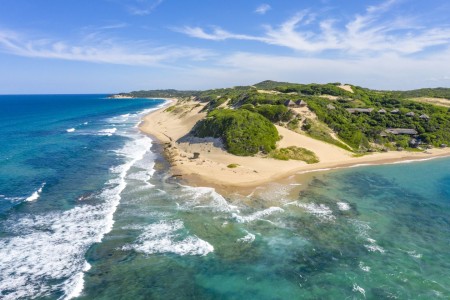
[249, 135]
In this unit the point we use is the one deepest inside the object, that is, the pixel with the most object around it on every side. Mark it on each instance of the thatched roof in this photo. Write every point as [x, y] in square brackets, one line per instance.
[300, 103]
[331, 106]
[395, 111]
[410, 114]
[289, 103]
[397, 131]
[424, 116]
[382, 111]
[359, 110]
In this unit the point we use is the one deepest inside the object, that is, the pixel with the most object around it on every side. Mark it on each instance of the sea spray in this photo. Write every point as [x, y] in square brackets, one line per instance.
[36, 194]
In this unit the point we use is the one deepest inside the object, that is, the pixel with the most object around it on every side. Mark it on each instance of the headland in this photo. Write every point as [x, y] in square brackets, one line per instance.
[205, 162]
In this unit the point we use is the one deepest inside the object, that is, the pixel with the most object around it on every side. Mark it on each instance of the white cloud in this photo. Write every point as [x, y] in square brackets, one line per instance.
[217, 34]
[114, 26]
[144, 7]
[263, 8]
[388, 71]
[365, 34]
[98, 51]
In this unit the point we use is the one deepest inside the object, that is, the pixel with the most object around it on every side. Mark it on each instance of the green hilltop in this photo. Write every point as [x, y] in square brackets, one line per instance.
[351, 117]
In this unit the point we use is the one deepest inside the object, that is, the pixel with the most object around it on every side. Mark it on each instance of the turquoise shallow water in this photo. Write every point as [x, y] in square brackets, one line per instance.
[373, 232]
[109, 223]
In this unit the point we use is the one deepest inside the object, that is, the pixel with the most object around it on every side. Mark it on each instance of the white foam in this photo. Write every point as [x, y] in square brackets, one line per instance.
[165, 237]
[321, 211]
[51, 246]
[36, 194]
[205, 197]
[412, 160]
[70, 130]
[257, 215]
[374, 248]
[316, 170]
[143, 176]
[248, 238]
[370, 240]
[362, 228]
[357, 288]
[360, 165]
[277, 191]
[364, 267]
[75, 286]
[108, 132]
[14, 199]
[414, 254]
[363, 232]
[343, 206]
[121, 118]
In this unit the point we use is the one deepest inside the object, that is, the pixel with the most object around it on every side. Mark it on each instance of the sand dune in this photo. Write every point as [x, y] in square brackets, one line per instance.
[172, 126]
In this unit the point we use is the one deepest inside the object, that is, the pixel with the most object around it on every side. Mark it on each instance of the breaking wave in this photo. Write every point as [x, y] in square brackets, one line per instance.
[166, 237]
[36, 194]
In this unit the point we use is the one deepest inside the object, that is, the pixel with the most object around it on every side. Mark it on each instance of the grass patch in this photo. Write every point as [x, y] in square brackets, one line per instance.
[320, 131]
[232, 166]
[295, 153]
[170, 108]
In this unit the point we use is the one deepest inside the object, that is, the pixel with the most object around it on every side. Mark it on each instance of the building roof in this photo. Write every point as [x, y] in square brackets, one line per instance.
[359, 110]
[331, 106]
[401, 131]
[300, 102]
[289, 103]
[410, 114]
[424, 116]
[395, 111]
[382, 111]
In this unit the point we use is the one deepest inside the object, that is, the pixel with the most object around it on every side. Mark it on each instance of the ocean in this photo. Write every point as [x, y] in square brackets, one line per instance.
[88, 210]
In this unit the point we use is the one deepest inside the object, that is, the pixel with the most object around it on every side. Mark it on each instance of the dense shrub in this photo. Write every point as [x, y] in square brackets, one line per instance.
[275, 113]
[243, 132]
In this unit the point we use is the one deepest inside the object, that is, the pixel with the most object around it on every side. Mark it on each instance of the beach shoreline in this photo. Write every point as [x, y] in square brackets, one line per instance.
[210, 165]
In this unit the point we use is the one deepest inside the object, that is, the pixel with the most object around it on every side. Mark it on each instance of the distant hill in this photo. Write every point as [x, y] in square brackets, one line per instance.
[270, 84]
[427, 92]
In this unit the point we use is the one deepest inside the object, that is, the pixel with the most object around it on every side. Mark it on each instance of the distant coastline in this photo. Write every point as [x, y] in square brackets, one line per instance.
[120, 96]
[203, 162]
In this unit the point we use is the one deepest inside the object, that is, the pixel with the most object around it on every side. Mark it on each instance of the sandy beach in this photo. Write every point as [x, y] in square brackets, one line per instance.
[171, 127]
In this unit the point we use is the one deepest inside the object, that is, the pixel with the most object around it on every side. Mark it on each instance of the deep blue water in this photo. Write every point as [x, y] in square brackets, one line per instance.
[88, 210]
[37, 149]
[57, 159]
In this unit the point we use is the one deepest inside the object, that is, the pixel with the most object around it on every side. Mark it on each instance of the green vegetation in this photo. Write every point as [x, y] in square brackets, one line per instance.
[275, 113]
[360, 129]
[434, 93]
[170, 108]
[269, 85]
[322, 132]
[232, 166]
[295, 153]
[247, 128]
[243, 132]
[160, 94]
[293, 124]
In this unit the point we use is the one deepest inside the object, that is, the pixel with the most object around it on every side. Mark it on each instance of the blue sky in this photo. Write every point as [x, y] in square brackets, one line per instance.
[108, 46]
